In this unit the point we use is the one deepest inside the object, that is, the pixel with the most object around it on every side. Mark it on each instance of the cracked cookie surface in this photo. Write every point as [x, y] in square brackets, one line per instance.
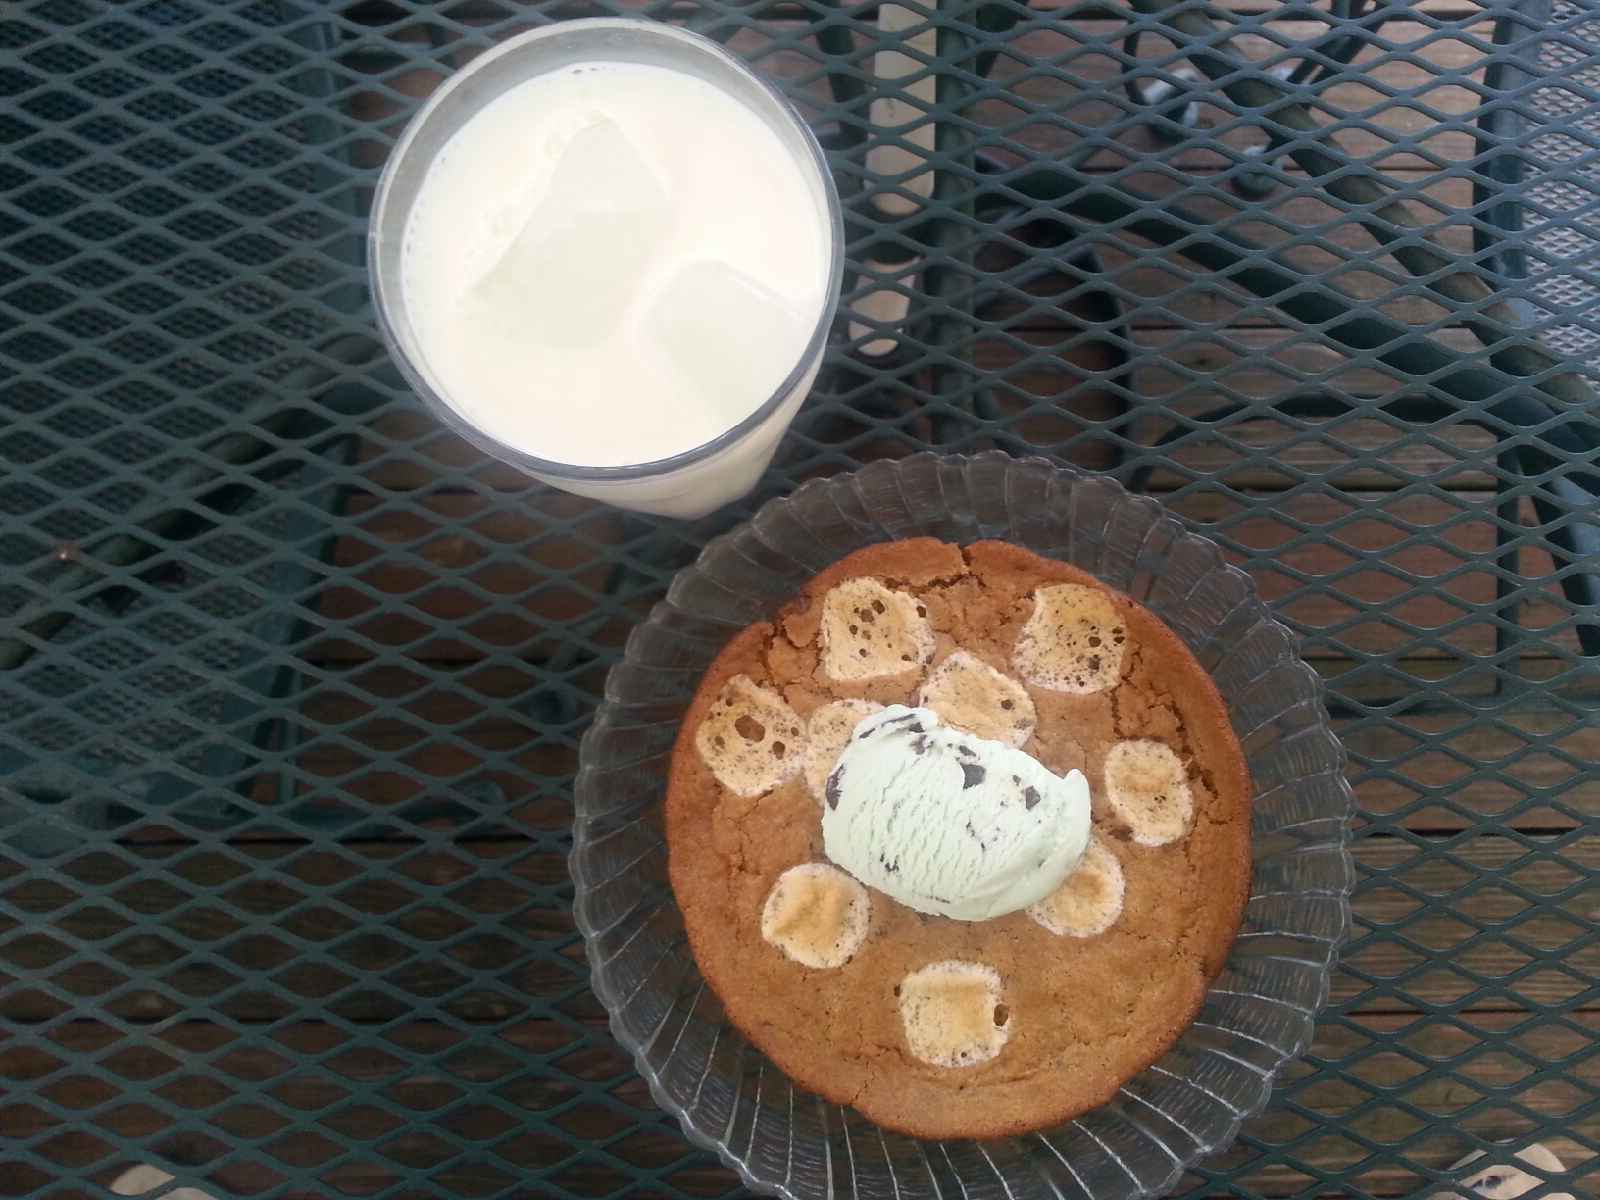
[1082, 1014]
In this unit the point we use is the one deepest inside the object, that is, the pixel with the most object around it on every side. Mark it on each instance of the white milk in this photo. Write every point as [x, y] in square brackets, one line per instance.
[614, 263]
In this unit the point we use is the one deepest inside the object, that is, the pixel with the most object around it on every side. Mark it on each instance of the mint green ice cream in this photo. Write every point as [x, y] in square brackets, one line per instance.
[949, 823]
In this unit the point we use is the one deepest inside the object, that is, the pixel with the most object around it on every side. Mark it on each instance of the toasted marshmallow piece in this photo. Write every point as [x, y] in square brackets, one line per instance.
[953, 1014]
[869, 631]
[1089, 900]
[828, 731]
[1073, 641]
[817, 915]
[751, 739]
[1148, 791]
[969, 694]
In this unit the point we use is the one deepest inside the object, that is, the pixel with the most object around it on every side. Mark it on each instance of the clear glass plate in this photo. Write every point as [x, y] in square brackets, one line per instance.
[1258, 1014]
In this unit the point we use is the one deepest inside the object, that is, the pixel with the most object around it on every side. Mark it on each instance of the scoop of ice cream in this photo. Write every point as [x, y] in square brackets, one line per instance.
[950, 823]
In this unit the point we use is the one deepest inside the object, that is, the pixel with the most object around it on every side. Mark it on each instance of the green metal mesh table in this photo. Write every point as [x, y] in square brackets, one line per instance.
[292, 680]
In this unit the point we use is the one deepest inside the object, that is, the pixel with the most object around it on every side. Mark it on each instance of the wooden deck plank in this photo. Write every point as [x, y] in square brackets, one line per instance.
[1081, 45]
[1060, 376]
[500, 563]
[480, 12]
[316, 946]
[1159, 289]
[482, 732]
[1479, 880]
[1383, 121]
[1483, 776]
[1357, 1098]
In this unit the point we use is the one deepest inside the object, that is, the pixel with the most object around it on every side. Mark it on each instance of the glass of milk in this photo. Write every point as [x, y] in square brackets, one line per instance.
[608, 253]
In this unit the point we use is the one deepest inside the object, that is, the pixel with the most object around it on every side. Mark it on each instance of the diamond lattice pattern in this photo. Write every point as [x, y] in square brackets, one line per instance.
[292, 679]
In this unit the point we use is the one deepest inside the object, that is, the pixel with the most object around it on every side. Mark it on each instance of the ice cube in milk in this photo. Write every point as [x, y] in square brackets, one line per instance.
[602, 224]
[614, 263]
[707, 312]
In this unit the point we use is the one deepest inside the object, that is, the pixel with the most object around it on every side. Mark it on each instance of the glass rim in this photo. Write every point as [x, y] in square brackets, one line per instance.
[412, 366]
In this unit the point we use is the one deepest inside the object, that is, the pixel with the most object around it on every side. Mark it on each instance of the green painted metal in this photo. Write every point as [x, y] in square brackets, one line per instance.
[291, 684]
